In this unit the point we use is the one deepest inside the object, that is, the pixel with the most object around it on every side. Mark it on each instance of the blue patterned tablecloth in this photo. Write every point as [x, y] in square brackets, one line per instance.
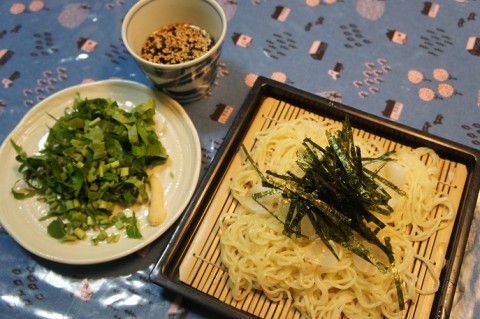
[413, 62]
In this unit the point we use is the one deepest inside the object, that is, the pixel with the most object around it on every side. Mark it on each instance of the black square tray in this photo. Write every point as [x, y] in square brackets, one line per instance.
[166, 271]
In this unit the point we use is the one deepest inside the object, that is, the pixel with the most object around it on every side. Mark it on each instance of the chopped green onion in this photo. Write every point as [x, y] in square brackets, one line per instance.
[89, 164]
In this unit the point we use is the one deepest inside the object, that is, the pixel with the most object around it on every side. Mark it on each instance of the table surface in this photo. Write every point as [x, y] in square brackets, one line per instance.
[412, 62]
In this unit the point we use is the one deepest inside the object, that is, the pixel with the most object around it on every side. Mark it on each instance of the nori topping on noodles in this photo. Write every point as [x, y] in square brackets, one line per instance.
[339, 196]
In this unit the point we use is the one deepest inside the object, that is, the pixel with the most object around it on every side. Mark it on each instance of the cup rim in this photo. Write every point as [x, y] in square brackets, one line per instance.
[207, 54]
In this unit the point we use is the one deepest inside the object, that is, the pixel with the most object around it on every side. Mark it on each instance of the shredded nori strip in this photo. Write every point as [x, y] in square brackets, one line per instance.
[339, 196]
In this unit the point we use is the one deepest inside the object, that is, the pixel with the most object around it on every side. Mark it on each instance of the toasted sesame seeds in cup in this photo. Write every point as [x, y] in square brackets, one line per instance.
[164, 38]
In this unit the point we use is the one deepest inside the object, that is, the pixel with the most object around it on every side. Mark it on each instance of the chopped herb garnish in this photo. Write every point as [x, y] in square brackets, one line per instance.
[56, 229]
[95, 157]
[339, 195]
[132, 229]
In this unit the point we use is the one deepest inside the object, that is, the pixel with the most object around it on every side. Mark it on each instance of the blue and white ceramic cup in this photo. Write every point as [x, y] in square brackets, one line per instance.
[188, 81]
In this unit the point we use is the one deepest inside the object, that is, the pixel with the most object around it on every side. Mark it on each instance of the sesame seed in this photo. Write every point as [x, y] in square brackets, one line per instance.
[177, 43]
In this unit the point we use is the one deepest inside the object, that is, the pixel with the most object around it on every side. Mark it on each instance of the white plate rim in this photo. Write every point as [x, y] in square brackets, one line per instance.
[183, 181]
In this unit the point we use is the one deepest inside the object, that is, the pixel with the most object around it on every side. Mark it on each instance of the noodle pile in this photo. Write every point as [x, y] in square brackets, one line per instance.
[259, 256]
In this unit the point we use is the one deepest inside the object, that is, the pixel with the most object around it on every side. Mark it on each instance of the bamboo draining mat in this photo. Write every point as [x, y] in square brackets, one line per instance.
[201, 267]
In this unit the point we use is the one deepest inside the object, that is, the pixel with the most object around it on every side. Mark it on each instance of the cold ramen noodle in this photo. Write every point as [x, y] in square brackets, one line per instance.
[330, 222]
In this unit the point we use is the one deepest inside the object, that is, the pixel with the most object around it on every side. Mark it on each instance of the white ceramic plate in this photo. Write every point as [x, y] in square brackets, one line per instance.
[179, 174]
